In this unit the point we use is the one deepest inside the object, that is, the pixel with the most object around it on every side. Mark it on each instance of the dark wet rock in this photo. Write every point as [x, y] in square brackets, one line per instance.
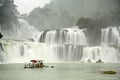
[109, 72]
[52, 67]
[1, 35]
[99, 61]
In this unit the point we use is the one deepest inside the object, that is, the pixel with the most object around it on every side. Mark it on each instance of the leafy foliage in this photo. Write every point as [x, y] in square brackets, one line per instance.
[93, 32]
[46, 18]
[7, 14]
[112, 18]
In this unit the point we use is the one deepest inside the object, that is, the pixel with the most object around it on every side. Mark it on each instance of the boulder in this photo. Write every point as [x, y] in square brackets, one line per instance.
[1, 35]
[109, 72]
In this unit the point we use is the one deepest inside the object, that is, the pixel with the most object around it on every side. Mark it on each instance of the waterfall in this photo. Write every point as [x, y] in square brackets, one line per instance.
[24, 51]
[22, 30]
[111, 36]
[105, 54]
[65, 36]
[26, 31]
[64, 45]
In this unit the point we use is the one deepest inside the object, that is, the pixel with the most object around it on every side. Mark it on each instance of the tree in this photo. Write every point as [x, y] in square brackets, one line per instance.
[7, 14]
[113, 17]
[84, 22]
[46, 18]
[93, 32]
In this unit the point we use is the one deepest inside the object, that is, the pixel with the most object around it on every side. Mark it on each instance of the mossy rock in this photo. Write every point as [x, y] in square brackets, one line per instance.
[109, 72]
[52, 67]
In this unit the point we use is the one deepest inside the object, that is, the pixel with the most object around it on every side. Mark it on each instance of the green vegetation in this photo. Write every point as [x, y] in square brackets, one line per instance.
[46, 18]
[93, 32]
[7, 14]
[62, 13]
[112, 18]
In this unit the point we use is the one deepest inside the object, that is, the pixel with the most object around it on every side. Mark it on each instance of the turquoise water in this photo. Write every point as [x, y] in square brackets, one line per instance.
[61, 71]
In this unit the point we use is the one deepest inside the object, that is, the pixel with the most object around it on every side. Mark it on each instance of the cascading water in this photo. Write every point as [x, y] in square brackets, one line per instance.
[24, 51]
[26, 31]
[21, 31]
[104, 54]
[65, 45]
[111, 36]
[68, 43]
[109, 49]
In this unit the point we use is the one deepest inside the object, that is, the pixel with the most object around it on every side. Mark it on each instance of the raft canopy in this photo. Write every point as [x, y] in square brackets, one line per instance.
[35, 61]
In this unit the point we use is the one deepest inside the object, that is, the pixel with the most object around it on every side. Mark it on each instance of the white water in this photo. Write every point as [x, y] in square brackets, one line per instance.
[111, 36]
[105, 54]
[65, 36]
[21, 31]
[65, 45]
[22, 51]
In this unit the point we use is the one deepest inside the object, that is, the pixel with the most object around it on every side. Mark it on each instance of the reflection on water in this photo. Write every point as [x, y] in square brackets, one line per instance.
[62, 71]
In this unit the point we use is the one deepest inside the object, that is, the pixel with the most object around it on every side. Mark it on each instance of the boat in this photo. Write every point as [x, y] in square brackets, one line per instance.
[35, 64]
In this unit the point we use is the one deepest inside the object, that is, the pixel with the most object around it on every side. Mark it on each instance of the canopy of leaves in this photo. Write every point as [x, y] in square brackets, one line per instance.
[112, 18]
[7, 13]
[46, 18]
[93, 32]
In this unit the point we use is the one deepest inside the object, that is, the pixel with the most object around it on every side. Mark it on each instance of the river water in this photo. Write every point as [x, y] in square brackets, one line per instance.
[61, 71]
